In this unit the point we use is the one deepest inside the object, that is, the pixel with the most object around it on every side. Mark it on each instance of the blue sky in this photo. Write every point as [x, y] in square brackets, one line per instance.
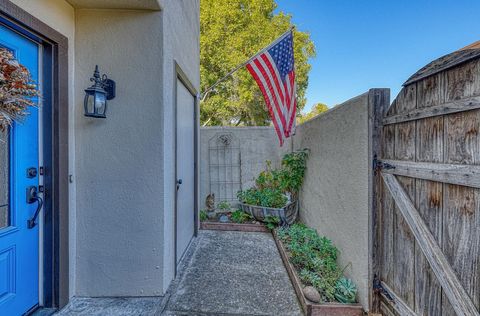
[364, 44]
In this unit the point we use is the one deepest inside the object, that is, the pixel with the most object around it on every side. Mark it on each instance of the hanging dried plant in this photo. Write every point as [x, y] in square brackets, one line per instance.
[16, 90]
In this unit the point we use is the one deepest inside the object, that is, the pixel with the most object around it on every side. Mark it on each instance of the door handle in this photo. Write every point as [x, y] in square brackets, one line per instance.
[32, 197]
[179, 182]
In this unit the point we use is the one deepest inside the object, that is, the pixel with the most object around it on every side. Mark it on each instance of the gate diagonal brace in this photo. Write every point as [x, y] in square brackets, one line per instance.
[378, 288]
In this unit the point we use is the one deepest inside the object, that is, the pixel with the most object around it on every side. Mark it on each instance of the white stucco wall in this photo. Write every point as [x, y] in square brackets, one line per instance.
[121, 199]
[118, 160]
[134, 213]
[60, 16]
[334, 198]
[181, 37]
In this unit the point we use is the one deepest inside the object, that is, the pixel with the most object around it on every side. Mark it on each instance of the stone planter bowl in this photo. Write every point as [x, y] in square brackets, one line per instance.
[287, 214]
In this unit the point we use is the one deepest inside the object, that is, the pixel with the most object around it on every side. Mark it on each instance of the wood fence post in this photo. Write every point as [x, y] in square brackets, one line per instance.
[378, 103]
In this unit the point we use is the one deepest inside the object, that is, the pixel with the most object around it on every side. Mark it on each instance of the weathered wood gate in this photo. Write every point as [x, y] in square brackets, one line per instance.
[426, 220]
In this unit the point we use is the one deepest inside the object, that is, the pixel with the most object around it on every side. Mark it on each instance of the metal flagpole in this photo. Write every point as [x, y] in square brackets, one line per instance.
[209, 89]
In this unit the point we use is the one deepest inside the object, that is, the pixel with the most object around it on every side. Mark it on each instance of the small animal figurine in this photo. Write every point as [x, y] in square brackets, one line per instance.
[210, 202]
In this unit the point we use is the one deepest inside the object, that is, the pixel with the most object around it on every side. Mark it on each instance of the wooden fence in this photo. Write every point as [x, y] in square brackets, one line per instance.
[426, 205]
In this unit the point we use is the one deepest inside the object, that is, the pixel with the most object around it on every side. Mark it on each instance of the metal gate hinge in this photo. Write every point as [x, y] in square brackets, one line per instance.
[379, 165]
[378, 288]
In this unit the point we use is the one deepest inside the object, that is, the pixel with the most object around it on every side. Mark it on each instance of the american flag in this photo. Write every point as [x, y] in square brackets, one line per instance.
[273, 70]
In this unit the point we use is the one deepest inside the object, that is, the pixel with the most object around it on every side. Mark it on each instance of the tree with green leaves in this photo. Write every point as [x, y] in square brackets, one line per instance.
[231, 31]
[316, 110]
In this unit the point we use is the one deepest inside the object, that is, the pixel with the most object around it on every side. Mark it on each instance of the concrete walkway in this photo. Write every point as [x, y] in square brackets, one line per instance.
[114, 306]
[232, 273]
[222, 273]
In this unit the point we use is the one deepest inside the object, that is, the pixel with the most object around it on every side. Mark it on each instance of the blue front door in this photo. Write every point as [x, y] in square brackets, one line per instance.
[19, 244]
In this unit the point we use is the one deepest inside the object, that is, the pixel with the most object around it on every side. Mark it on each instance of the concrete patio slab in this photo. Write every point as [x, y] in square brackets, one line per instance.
[223, 273]
[232, 273]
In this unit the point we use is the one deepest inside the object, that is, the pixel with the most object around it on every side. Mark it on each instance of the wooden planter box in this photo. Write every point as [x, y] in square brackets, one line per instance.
[310, 308]
[234, 227]
[287, 214]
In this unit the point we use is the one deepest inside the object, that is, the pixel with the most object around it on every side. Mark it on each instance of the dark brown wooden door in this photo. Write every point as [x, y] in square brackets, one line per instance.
[427, 194]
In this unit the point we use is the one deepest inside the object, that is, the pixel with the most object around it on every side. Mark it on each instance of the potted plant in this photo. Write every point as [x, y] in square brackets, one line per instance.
[274, 198]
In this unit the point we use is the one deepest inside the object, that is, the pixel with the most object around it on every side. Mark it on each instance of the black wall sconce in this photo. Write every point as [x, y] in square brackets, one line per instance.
[96, 96]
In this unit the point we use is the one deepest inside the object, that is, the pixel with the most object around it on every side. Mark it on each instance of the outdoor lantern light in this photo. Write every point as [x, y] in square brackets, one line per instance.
[96, 96]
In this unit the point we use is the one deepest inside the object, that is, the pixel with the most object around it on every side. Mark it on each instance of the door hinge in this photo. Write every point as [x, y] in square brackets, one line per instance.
[379, 165]
[378, 288]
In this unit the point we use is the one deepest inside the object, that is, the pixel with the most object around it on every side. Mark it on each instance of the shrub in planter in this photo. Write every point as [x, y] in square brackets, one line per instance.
[224, 206]
[240, 217]
[268, 197]
[271, 222]
[276, 190]
[294, 166]
[315, 259]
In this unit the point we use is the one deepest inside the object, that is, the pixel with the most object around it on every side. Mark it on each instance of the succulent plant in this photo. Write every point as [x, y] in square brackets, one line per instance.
[345, 291]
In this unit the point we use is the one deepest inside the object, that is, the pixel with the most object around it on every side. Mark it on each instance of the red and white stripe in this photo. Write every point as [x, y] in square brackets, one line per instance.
[279, 93]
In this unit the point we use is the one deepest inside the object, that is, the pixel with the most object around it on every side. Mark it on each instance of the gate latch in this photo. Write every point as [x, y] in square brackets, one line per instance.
[379, 288]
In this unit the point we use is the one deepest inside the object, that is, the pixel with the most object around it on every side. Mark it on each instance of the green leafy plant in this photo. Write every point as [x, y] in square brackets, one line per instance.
[267, 197]
[294, 166]
[345, 291]
[272, 185]
[240, 217]
[271, 222]
[224, 206]
[314, 257]
[317, 109]
[203, 215]
[270, 178]
[226, 39]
